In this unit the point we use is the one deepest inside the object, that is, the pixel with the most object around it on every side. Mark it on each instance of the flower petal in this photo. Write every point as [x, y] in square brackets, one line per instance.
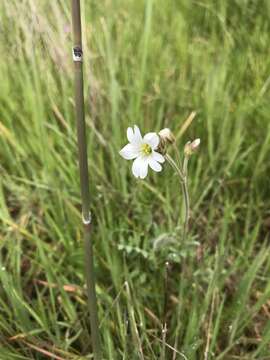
[130, 134]
[152, 139]
[140, 167]
[158, 157]
[129, 152]
[137, 135]
[144, 167]
[134, 136]
[136, 167]
[154, 165]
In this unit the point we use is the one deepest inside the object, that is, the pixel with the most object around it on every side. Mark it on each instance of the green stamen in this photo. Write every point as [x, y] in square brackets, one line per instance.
[146, 149]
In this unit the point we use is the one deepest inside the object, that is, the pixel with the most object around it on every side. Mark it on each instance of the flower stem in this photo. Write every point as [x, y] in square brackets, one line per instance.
[186, 196]
[84, 179]
[174, 166]
[183, 180]
[187, 211]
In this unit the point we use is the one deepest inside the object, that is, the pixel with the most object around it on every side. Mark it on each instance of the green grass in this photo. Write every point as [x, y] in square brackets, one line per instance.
[149, 63]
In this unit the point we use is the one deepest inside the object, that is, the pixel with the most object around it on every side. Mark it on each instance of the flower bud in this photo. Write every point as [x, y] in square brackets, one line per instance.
[166, 135]
[166, 138]
[191, 147]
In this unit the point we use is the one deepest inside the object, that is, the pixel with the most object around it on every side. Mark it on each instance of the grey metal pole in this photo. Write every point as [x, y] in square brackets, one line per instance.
[84, 177]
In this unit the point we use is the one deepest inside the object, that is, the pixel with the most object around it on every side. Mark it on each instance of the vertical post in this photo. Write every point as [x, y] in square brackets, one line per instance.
[84, 178]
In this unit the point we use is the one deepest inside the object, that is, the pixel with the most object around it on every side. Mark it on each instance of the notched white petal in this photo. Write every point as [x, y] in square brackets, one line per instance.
[158, 157]
[130, 134]
[152, 139]
[136, 167]
[129, 152]
[143, 168]
[154, 165]
[137, 135]
[140, 167]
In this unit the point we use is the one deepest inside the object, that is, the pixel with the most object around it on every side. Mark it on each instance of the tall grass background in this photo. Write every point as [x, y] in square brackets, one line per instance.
[149, 63]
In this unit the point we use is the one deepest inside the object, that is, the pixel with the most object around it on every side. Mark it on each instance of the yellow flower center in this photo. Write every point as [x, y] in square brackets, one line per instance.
[146, 149]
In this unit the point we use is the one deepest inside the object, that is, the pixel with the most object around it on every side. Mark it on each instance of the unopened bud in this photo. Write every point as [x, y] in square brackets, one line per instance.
[166, 135]
[166, 138]
[191, 147]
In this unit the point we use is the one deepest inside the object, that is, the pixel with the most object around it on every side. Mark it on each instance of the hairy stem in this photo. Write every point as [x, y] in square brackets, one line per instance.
[186, 196]
[187, 211]
[175, 166]
[183, 180]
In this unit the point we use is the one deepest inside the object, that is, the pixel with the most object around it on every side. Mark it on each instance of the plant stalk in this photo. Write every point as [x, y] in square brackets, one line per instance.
[84, 177]
[183, 181]
[187, 207]
[175, 166]
[186, 195]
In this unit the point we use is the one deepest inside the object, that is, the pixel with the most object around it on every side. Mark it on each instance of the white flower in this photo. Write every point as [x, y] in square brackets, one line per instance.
[143, 151]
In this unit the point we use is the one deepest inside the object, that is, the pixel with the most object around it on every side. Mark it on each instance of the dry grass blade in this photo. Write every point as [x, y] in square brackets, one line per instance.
[68, 288]
[47, 353]
[186, 124]
[170, 347]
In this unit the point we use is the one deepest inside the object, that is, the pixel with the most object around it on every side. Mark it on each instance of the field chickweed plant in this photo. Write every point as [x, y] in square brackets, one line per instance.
[151, 150]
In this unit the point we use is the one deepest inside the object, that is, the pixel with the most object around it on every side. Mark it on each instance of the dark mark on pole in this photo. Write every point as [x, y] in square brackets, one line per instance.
[77, 54]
